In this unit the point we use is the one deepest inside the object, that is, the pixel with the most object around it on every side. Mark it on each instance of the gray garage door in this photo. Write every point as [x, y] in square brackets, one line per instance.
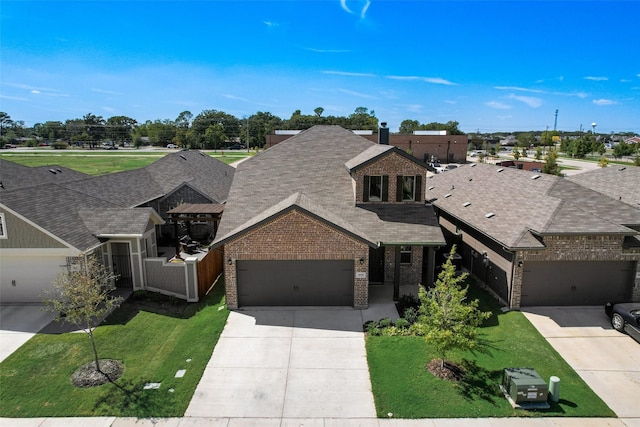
[291, 283]
[576, 283]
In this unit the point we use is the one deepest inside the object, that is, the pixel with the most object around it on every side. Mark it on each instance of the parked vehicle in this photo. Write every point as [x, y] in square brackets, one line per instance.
[172, 146]
[237, 147]
[625, 317]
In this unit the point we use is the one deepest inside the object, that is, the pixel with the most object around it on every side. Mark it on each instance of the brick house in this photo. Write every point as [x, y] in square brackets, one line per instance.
[537, 239]
[444, 148]
[323, 215]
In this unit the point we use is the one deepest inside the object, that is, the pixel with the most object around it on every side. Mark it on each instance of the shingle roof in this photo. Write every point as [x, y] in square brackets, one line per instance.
[131, 188]
[78, 208]
[618, 182]
[522, 202]
[55, 209]
[114, 221]
[14, 176]
[310, 171]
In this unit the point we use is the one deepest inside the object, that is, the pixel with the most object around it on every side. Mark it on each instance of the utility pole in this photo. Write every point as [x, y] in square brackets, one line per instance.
[248, 145]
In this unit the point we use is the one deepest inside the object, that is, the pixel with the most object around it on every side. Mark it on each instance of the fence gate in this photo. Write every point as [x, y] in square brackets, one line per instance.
[121, 263]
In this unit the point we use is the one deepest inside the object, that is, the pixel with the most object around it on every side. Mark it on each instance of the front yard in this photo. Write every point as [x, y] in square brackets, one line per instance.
[154, 336]
[403, 387]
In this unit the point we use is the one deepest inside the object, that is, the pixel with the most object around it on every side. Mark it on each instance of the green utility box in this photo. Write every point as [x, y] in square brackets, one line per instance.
[524, 385]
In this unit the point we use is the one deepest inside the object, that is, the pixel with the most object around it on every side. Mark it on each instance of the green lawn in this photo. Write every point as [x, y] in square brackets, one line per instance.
[100, 163]
[154, 337]
[402, 386]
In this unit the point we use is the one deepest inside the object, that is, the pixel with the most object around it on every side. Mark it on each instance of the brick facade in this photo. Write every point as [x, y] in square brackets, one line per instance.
[576, 248]
[410, 274]
[392, 165]
[296, 235]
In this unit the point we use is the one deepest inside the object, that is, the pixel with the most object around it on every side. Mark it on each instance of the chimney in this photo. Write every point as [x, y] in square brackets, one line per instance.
[383, 134]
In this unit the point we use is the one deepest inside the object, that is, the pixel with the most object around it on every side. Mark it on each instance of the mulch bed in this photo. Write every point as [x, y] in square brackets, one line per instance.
[88, 376]
[448, 371]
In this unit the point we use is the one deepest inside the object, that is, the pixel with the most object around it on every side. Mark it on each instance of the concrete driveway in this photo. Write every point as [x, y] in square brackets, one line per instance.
[18, 323]
[608, 361]
[287, 363]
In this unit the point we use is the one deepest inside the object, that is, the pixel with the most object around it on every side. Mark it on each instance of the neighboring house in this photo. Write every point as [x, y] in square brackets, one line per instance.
[322, 215]
[531, 166]
[426, 147]
[537, 239]
[51, 215]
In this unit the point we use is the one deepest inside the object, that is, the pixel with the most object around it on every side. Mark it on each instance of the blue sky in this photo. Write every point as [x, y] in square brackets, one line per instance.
[491, 66]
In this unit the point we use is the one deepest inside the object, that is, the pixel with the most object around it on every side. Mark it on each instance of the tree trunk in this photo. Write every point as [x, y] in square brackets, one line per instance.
[95, 350]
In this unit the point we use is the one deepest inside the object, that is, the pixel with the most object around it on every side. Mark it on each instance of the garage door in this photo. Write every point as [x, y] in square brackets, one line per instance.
[576, 283]
[291, 283]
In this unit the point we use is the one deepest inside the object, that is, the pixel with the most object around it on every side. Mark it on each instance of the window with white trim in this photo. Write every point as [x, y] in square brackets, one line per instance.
[3, 227]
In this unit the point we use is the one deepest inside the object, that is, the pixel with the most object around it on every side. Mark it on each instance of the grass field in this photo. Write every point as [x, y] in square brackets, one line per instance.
[402, 386]
[154, 338]
[102, 162]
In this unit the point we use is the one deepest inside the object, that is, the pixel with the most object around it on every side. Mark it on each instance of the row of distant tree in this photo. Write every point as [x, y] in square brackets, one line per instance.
[217, 129]
[209, 129]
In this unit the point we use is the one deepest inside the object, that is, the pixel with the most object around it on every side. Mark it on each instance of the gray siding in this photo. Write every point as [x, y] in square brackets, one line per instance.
[23, 235]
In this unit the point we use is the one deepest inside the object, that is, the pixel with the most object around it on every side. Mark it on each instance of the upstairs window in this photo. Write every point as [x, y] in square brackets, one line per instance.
[3, 227]
[408, 188]
[375, 188]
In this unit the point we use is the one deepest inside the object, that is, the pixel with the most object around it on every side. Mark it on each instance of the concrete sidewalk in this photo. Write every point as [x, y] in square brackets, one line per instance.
[317, 422]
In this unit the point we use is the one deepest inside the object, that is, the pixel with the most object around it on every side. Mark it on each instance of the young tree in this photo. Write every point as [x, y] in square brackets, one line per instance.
[516, 153]
[448, 320]
[538, 155]
[603, 162]
[551, 163]
[82, 296]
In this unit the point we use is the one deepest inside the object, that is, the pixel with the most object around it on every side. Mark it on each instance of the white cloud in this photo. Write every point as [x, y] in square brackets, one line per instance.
[327, 50]
[450, 102]
[13, 98]
[363, 6]
[439, 81]
[350, 74]
[236, 98]
[497, 105]
[106, 92]
[603, 101]
[358, 94]
[529, 100]
[35, 92]
[271, 24]
[434, 80]
[520, 89]
[597, 78]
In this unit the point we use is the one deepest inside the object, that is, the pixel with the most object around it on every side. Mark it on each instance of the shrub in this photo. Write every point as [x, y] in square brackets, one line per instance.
[369, 324]
[402, 323]
[411, 315]
[59, 145]
[385, 323]
[374, 331]
[405, 302]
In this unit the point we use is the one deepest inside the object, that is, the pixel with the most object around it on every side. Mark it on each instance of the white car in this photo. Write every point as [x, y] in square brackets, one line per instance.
[172, 146]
